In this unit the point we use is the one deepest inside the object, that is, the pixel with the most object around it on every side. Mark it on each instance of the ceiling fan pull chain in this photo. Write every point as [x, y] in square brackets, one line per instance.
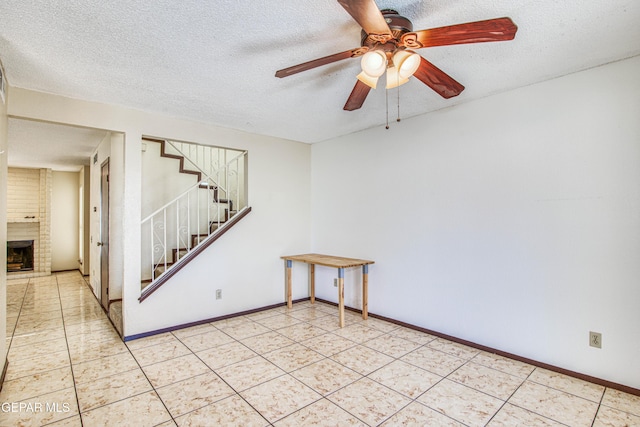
[398, 119]
[386, 98]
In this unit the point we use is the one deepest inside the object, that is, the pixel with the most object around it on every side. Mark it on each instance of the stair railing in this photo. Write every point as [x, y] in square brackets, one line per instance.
[212, 163]
[176, 228]
[206, 159]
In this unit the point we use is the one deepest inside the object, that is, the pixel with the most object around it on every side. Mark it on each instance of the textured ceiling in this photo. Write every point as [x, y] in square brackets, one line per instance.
[46, 145]
[215, 61]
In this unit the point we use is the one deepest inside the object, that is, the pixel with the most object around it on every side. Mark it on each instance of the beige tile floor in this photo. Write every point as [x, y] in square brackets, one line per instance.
[279, 367]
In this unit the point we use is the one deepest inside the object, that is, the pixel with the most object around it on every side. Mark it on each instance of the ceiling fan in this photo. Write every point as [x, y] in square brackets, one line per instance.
[387, 40]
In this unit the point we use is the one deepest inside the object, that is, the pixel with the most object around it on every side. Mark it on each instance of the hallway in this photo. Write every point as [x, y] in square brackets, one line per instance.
[280, 367]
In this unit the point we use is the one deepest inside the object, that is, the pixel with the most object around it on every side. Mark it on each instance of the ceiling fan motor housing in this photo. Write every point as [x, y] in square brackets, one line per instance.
[398, 25]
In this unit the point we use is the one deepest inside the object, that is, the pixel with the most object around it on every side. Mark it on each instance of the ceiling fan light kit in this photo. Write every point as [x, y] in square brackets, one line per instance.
[370, 81]
[374, 63]
[386, 40]
[402, 66]
[406, 62]
[395, 79]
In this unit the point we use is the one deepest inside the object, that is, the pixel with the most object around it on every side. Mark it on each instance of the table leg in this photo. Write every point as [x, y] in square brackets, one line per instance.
[312, 272]
[365, 291]
[341, 296]
[289, 302]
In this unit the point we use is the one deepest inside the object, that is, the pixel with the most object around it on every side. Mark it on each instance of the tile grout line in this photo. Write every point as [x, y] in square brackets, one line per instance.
[504, 402]
[38, 331]
[80, 413]
[467, 361]
[382, 333]
[297, 341]
[13, 332]
[513, 393]
[237, 393]
[595, 417]
[529, 410]
[323, 397]
[279, 376]
[150, 384]
[604, 389]
[356, 344]
[396, 359]
[415, 400]
[412, 400]
[509, 398]
[11, 342]
[235, 340]
[441, 379]
[301, 342]
[73, 378]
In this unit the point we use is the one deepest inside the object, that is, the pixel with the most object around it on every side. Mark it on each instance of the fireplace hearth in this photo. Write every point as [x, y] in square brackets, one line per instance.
[19, 255]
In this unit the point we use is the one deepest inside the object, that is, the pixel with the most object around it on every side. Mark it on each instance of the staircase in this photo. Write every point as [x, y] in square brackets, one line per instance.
[182, 228]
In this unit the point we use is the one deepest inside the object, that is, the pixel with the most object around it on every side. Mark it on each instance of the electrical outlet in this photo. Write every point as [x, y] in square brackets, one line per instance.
[595, 339]
[335, 283]
[218, 293]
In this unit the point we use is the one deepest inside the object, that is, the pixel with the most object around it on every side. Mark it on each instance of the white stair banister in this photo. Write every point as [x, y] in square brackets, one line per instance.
[175, 229]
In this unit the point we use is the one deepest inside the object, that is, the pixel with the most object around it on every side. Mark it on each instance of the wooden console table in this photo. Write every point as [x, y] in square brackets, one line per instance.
[336, 262]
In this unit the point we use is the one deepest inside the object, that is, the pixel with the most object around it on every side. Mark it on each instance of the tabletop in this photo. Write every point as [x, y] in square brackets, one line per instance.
[328, 260]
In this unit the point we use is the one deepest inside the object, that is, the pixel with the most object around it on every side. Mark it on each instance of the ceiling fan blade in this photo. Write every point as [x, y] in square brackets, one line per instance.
[369, 17]
[442, 83]
[491, 30]
[285, 72]
[357, 97]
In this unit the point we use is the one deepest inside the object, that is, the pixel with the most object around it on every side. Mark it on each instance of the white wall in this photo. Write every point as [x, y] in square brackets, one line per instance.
[111, 149]
[117, 235]
[64, 221]
[84, 223]
[161, 180]
[3, 232]
[98, 157]
[512, 221]
[245, 263]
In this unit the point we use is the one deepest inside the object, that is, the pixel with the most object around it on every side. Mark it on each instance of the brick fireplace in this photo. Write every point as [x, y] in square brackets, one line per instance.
[29, 217]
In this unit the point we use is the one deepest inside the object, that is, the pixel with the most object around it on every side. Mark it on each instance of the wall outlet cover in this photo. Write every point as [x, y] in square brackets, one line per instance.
[595, 339]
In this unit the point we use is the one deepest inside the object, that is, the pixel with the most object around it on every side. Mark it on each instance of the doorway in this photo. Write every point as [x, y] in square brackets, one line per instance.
[104, 235]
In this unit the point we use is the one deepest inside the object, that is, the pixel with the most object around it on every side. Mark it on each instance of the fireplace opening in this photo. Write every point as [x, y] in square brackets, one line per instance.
[19, 255]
